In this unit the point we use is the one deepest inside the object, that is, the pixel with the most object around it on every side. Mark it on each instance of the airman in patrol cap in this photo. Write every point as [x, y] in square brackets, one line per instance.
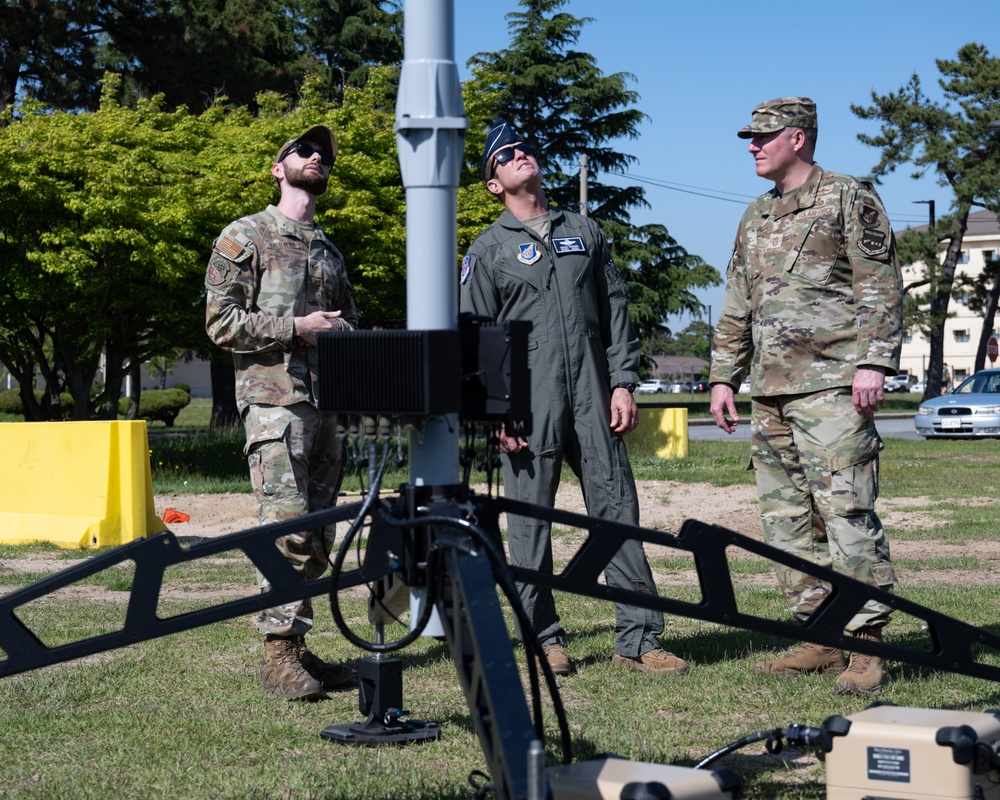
[275, 281]
[812, 313]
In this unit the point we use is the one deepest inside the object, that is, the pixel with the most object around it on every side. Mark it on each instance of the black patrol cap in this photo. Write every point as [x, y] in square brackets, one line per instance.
[501, 135]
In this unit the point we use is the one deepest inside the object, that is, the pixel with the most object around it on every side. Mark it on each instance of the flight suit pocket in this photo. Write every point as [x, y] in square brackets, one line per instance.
[268, 456]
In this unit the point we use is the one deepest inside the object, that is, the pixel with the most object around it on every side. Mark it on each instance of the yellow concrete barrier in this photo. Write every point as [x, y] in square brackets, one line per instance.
[663, 431]
[76, 484]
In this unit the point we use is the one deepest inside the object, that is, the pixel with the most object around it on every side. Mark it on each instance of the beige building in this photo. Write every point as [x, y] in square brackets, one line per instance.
[980, 246]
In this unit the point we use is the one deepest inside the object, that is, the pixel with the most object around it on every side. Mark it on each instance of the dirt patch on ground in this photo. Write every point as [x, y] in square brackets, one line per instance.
[664, 506]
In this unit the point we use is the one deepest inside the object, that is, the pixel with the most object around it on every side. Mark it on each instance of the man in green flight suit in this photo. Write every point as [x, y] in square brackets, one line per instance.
[813, 314]
[274, 281]
[554, 269]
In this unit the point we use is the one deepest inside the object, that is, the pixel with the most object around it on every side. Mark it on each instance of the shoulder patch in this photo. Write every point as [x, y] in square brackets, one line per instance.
[872, 242]
[218, 271]
[869, 216]
[468, 265]
[230, 248]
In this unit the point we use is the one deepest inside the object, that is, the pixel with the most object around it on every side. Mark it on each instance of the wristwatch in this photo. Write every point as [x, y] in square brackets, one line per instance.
[629, 386]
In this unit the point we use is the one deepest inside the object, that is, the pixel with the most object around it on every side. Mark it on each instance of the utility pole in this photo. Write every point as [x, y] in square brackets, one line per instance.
[930, 208]
[583, 184]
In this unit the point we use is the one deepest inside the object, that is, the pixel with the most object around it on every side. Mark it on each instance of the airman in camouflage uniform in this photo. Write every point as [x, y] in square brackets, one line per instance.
[813, 313]
[274, 281]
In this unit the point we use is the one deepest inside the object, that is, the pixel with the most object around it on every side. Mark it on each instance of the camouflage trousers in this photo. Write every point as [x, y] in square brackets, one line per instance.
[296, 462]
[816, 463]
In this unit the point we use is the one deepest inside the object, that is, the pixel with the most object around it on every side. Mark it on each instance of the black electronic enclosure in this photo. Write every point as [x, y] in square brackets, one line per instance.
[391, 372]
[479, 371]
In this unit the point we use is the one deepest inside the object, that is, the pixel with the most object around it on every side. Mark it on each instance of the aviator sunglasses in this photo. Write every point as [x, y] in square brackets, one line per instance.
[505, 154]
[306, 150]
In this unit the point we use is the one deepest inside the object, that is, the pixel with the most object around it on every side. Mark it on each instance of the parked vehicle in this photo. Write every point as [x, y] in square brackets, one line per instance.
[970, 411]
[745, 387]
[918, 387]
[652, 386]
[900, 382]
[702, 386]
[678, 387]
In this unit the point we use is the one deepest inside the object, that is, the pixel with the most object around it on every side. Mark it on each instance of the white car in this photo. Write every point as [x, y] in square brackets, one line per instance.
[652, 386]
[745, 387]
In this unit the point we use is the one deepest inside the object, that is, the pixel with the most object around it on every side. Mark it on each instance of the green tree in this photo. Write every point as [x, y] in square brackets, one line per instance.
[106, 220]
[567, 107]
[48, 49]
[346, 39]
[955, 144]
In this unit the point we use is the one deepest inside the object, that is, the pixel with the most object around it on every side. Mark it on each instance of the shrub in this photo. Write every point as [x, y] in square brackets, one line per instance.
[10, 402]
[159, 404]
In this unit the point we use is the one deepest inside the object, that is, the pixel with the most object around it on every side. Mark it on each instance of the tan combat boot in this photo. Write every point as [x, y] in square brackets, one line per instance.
[284, 674]
[808, 658]
[865, 674]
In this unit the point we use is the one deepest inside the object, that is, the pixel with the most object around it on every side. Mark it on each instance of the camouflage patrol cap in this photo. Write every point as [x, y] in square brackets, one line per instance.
[783, 112]
[320, 134]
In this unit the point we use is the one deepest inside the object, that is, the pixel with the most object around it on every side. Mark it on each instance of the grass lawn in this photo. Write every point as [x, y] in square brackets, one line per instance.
[184, 717]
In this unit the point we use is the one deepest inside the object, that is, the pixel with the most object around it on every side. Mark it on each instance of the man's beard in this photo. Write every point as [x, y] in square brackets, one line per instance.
[313, 182]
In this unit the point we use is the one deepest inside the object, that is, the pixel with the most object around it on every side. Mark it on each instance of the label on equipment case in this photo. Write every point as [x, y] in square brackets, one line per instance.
[888, 764]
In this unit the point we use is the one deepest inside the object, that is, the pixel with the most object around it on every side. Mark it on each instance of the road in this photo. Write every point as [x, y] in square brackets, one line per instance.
[890, 426]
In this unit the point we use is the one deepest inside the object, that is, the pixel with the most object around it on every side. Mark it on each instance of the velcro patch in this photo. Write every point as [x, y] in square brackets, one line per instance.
[468, 265]
[218, 269]
[872, 242]
[230, 248]
[569, 244]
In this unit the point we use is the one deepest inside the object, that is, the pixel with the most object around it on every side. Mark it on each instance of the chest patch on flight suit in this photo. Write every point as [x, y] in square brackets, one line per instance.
[528, 253]
[569, 244]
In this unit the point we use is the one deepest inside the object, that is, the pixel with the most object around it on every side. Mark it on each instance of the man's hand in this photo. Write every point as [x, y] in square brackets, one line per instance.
[868, 390]
[307, 327]
[624, 412]
[723, 407]
[510, 444]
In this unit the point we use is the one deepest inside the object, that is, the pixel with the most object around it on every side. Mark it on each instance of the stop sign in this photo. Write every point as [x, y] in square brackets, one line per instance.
[991, 349]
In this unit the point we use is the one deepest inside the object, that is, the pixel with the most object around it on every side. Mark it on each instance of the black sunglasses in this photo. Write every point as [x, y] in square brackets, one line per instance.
[505, 154]
[306, 150]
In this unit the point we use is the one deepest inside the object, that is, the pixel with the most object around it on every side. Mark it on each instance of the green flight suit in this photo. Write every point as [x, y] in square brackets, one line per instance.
[581, 346]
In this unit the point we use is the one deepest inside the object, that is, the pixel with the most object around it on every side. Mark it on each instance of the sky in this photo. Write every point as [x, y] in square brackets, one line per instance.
[700, 68]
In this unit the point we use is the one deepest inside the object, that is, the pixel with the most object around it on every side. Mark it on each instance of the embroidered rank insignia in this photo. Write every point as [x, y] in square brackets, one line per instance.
[468, 264]
[569, 244]
[869, 216]
[872, 242]
[218, 269]
[230, 248]
[528, 253]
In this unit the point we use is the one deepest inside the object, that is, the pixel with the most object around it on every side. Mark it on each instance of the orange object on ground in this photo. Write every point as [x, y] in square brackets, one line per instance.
[172, 515]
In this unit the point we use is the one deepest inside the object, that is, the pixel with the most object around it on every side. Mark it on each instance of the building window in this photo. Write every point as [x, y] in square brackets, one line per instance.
[961, 336]
[989, 255]
[963, 257]
[961, 375]
[907, 339]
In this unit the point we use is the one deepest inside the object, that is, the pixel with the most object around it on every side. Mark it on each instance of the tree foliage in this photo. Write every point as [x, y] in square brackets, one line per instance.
[954, 144]
[128, 202]
[559, 99]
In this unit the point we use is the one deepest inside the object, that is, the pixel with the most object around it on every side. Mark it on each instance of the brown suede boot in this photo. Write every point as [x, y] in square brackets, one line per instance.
[284, 674]
[865, 674]
[808, 658]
